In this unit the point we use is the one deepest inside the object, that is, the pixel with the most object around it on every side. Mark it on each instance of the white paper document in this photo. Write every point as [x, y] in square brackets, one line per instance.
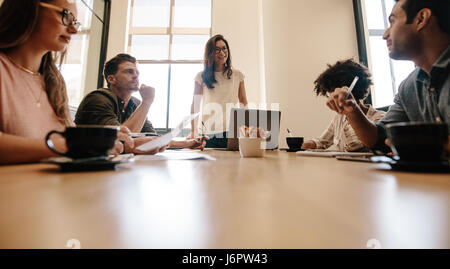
[331, 154]
[165, 139]
[174, 155]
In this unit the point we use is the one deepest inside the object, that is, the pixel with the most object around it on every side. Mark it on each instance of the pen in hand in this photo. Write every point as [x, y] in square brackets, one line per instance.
[350, 89]
[203, 129]
[200, 140]
[289, 132]
[136, 135]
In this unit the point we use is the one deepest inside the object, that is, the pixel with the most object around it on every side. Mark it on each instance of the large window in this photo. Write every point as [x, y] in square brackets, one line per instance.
[387, 73]
[168, 38]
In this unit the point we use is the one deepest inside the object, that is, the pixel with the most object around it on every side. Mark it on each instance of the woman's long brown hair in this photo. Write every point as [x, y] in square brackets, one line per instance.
[18, 18]
[209, 63]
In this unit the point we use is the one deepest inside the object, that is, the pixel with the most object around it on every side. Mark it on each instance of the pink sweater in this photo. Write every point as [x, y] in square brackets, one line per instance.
[20, 92]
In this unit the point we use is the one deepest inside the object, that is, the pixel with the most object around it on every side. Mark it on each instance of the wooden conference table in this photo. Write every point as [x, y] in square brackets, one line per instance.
[280, 201]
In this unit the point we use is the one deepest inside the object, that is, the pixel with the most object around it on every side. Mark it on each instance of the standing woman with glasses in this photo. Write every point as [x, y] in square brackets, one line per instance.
[33, 97]
[217, 89]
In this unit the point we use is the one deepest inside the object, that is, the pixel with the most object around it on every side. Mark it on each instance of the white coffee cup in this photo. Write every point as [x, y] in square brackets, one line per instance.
[251, 147]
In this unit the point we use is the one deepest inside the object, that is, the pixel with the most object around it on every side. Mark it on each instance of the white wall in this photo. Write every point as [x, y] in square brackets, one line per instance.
[118, 28]
[300, 38]
[238, 22]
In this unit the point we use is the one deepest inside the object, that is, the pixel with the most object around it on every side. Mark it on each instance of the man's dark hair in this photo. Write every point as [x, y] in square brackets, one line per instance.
[112, 65]
[439, 8]
[342, 74]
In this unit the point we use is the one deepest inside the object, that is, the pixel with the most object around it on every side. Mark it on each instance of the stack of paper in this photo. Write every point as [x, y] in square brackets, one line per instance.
[165, 139]
[174, 155]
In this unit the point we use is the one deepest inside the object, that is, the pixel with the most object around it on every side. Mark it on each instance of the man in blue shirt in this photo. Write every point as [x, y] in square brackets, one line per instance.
[419, 31]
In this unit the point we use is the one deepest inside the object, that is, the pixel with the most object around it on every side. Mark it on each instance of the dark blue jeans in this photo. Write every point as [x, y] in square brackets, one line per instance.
[219, 140]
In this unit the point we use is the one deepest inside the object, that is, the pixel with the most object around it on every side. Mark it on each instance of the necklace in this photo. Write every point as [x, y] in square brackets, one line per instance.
[22, 68]
[38, 100]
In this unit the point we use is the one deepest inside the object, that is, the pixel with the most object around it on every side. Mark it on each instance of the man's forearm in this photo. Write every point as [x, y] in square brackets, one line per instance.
[365, 129]
[137, 120]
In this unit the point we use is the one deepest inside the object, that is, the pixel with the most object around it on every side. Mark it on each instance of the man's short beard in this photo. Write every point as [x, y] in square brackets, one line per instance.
[134, 89]
[406, 50]
[397, 56]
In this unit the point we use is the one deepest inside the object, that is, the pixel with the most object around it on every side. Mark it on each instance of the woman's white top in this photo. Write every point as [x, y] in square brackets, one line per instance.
[216, 103]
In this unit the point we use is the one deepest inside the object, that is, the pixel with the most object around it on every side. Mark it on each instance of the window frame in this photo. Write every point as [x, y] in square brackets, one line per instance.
[105, 34]
[363, 31]
[104, 42]
[361, 39]
[171, 30]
